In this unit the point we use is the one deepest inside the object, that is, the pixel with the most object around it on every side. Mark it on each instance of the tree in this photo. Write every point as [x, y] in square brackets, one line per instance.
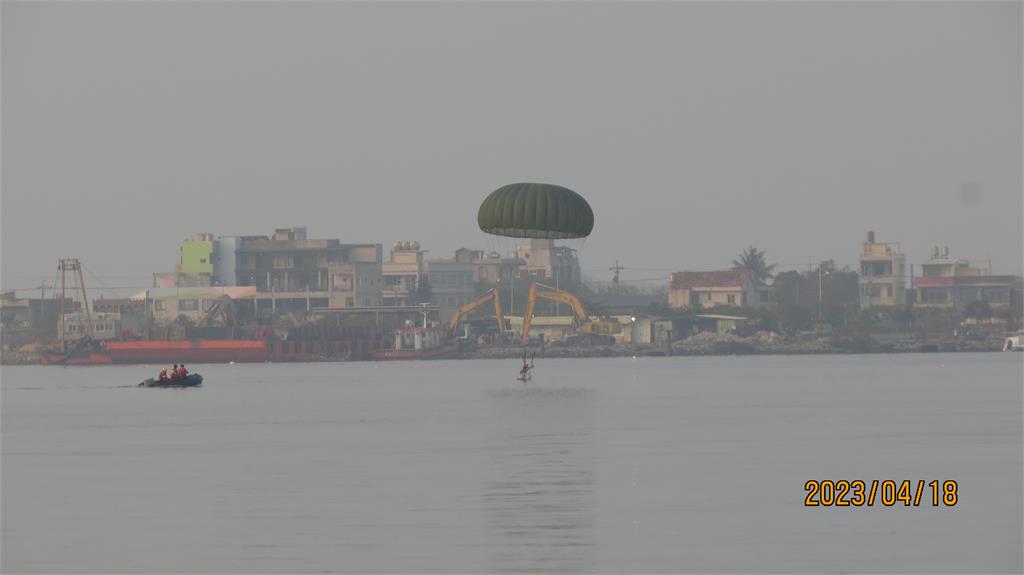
[184, 321]
[978, 309]
[753, 260]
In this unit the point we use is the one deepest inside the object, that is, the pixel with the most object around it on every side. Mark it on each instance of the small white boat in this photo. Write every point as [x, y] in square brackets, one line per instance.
[1014, 342]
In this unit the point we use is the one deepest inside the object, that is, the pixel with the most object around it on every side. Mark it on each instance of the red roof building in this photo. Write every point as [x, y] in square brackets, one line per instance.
[727, 287]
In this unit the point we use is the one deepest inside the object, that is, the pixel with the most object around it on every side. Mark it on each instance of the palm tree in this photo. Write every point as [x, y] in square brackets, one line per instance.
[752, 260]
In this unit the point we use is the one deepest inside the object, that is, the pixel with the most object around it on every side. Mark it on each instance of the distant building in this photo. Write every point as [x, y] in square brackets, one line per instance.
[166, 304]
[556, 265]
[297, 271]
[883, 274]
[452, 284]
[457, 281]
[104, 326]
[707, 289]
[722, 324]
[129, 314]
[35, 317]
[489, 268]
[403, 275]
[646, 330]
[289, 271]
[195, 267]
[948, 283]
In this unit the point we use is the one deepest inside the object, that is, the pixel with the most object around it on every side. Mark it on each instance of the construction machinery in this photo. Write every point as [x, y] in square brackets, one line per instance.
[479, 301]
[588, 327]
[224, 308]
[66, 265]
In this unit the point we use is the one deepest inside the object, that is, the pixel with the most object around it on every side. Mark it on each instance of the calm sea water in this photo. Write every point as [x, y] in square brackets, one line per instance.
[598, 465]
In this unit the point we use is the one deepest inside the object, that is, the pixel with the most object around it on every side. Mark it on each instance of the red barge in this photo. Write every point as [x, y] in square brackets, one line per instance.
[409, 343]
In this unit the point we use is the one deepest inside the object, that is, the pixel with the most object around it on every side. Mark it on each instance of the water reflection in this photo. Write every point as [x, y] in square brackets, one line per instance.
[539, 493]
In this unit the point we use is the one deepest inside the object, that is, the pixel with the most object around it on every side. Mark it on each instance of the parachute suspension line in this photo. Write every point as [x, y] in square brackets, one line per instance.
[517, 214]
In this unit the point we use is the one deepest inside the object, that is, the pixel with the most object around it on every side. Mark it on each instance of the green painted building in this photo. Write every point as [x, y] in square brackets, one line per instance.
[197, 257]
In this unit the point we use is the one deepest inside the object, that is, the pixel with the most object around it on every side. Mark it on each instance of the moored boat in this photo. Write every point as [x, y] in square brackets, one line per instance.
[190, 380]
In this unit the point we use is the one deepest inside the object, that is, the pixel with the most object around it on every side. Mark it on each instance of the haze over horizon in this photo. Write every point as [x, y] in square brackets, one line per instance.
[693, 129]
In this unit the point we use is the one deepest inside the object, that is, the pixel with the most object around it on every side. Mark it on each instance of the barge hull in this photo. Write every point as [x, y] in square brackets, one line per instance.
[185, 351]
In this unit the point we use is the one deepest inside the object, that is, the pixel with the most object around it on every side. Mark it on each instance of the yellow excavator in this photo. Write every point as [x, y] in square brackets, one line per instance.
[587, 325]
[479, 301]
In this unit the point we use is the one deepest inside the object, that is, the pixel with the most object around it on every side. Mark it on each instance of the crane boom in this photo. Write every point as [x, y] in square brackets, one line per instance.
[553, 294]
[479, 301]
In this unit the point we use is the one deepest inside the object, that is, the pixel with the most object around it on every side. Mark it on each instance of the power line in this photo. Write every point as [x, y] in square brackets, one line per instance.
[616, 268]
[147, 286]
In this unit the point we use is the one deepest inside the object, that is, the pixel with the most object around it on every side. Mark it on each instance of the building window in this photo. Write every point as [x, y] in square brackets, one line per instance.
[888, 291]
[707, 296]
[996, 294]
[158, 305]
[965, 294]
[732, 299]
[188, 304]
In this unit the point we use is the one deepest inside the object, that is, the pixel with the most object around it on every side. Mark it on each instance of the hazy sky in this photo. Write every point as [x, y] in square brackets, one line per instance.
[694, 129]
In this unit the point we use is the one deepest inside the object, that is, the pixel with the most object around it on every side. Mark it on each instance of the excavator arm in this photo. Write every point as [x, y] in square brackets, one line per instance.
[553, 294]
[479, 301]
[223, 307]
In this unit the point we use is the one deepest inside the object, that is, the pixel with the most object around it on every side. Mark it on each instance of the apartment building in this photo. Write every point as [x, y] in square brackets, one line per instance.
[883, 273]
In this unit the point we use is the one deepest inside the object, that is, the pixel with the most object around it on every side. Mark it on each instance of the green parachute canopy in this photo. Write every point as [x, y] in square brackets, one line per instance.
[541, 211]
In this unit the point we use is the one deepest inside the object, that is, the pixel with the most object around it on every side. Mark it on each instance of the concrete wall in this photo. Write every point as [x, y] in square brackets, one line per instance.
[224, 260]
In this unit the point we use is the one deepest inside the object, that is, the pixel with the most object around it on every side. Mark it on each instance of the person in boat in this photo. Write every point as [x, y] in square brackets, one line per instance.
[174, 372]
[163, 374]
[182, 372]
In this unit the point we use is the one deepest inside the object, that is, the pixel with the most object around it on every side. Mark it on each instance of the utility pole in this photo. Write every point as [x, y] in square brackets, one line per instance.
[819, 293]
[821, 315]
[615, 279]
[42, 301]
[60, 315]
[913, 292]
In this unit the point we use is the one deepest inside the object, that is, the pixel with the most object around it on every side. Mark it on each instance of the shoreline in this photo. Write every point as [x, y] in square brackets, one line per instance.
[678, 349]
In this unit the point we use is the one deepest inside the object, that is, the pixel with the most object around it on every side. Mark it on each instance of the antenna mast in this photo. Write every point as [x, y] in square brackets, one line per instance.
[615, 279]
